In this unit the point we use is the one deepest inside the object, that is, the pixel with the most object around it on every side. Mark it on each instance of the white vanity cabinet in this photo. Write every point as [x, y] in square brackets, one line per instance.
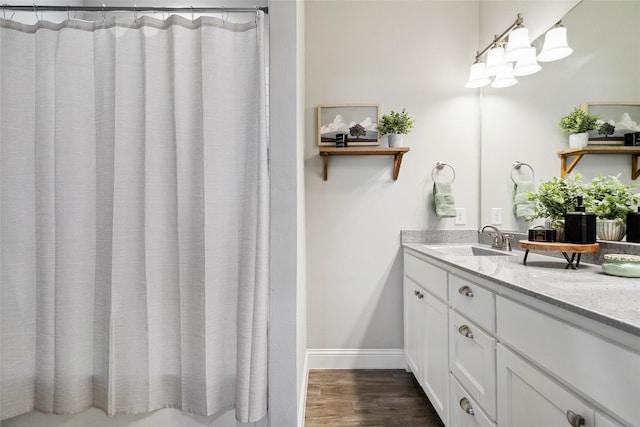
[488, 355]
[425, 332]
[590, 367]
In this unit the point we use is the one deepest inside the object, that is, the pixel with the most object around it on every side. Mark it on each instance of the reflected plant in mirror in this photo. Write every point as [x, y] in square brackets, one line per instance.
[609, 198]
[556, 197]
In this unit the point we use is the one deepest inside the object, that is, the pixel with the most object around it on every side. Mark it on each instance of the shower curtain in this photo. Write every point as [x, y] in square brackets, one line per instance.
[133, 215]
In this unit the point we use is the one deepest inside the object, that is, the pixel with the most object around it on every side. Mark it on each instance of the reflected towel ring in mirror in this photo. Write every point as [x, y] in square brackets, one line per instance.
[438, 167]
[516, 167]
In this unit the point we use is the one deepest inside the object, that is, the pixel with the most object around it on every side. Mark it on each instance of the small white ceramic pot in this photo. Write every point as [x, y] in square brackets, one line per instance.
[610, 229]
[578, 139]
[395, 140]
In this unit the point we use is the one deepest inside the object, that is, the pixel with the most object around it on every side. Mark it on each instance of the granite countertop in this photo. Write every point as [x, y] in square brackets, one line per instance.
[614, 301]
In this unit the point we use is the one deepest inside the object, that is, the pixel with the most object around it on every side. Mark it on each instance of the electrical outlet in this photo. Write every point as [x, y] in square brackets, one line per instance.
[460, 219]
[496, 216]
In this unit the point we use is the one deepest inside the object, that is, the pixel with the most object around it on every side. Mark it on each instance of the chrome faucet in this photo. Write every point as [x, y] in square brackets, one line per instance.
[500, 241]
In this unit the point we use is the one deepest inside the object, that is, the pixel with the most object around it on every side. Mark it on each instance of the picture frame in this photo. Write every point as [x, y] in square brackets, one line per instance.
[624, 116]
[337, 120]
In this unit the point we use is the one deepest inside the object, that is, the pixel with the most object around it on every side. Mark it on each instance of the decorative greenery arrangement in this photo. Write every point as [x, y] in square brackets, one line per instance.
[609, 198]
[556, 197]
[578, 121]
[394, 122]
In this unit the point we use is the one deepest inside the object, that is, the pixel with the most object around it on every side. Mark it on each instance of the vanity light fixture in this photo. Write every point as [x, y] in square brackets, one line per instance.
[555, 44]
[519, 58]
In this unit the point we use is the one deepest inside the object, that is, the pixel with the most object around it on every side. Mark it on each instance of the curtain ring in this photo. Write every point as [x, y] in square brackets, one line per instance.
[35, 11]
[68, 14]
[4, 11]
[104, 15]
[192, 15]
[163, 12]
[223, 14]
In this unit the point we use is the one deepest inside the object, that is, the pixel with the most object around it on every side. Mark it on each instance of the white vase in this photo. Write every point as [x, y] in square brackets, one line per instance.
[610, 229]
[395, 140]
[578, 139]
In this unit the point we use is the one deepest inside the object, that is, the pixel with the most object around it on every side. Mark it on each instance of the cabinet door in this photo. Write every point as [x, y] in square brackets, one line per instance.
[413, 326]
[435, 368]
[528, 398]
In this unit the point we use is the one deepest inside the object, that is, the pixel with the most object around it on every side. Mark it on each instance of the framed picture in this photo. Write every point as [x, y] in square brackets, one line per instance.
[357, 124]
[624, 117]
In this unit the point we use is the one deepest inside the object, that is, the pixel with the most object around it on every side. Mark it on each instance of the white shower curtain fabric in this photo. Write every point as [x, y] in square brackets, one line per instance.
[134, 216]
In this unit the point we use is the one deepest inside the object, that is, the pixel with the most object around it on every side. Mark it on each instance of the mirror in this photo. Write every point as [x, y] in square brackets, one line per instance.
[520, 123]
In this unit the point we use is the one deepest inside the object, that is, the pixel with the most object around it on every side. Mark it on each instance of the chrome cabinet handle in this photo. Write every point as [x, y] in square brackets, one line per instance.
[466, 331]
[418, 294]
[574, 419]
[466, 291]
[466, 406]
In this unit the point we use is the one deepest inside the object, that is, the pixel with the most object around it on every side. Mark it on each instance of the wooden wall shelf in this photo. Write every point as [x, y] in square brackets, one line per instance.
[396, 152]
[577, 154]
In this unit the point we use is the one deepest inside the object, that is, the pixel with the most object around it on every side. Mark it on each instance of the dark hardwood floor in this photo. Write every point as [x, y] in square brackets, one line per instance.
[383, 398]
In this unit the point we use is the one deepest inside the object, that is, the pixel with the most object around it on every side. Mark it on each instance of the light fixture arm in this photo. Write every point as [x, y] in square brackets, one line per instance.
[497, 39]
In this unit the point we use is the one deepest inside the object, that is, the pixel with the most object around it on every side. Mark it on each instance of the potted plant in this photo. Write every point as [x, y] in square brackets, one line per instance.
[577, 124]
[611, 201]
[395, 124]
[553, 199]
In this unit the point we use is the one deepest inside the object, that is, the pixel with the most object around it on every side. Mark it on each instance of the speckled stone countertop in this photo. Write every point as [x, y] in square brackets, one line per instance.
[614, 301]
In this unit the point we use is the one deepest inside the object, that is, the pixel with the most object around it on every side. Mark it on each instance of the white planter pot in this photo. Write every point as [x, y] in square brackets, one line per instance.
[610, 229]
[395, 140]
[578, 139]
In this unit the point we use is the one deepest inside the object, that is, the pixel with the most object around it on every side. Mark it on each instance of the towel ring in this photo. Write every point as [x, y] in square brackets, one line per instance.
[516, 167]
[438, 167]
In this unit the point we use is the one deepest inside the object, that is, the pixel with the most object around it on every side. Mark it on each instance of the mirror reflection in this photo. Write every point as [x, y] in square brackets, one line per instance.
[520, 123]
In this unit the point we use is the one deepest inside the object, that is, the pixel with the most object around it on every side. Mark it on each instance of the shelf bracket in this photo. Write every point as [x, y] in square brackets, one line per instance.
[564, 169]
[397, 161]
[635, 173]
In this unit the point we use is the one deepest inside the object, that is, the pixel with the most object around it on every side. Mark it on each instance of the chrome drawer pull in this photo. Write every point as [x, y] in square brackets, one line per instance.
[466, 291]
[466, 406]
[574, 419]
[466, 331]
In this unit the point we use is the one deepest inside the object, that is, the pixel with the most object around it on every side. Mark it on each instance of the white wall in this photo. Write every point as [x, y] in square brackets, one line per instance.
[412, 54]
[520, 123]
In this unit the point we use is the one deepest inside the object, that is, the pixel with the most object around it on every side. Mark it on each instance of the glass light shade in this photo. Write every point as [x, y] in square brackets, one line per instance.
[527, 64]
[555, 45]
[505, 78]
[518, 44]
[495, 61]
[477, 78]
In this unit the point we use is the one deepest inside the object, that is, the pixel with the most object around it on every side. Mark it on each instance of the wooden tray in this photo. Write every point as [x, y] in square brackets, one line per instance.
[562, 247]
[559, 246]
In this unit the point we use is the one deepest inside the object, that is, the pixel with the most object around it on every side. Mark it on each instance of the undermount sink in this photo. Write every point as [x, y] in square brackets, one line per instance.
[467, 250]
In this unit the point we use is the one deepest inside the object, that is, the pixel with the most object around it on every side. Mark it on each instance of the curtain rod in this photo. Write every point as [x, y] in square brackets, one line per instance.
[44, 8]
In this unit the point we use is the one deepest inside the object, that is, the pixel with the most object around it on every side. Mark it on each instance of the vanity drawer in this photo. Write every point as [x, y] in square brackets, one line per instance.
[465, 412]
[475, 302]
[605, 372]
[431, 278]
[472, 360]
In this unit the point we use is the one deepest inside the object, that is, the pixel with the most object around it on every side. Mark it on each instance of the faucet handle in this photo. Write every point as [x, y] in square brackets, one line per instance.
[507, 239]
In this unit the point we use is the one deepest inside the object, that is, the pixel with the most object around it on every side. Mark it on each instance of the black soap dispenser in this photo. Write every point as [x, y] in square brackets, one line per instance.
[633, 227]
[580, 226]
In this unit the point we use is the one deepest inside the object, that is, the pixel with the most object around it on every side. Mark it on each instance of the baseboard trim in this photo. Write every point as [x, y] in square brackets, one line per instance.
[355, 358]
[302, 400]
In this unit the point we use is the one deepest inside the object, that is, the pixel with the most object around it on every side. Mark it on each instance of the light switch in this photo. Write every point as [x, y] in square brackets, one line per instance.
[460, 216]
[496, 216]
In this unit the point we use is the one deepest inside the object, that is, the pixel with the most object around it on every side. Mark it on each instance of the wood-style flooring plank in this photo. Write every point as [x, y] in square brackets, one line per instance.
[385, 398]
